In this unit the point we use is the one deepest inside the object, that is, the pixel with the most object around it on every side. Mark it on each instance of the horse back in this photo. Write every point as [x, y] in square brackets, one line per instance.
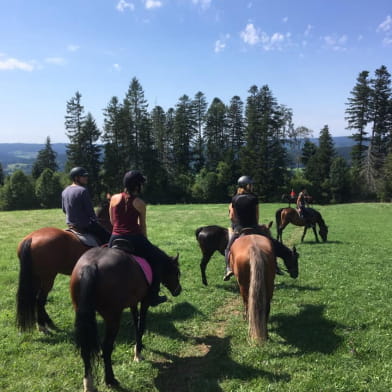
[240, 254]
[53, 250]
[212, 238]
[120, 283]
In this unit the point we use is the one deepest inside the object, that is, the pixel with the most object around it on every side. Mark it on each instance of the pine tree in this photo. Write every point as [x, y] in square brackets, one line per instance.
[1, 175]
[88, 138]
[74, 120]
[48, 189]
[115, 146]
[46, 159]
[199, 104]
[381, 111]
[216, 137]
[358, 117]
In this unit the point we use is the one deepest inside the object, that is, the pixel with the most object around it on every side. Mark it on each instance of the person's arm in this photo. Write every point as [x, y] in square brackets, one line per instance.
[140, 206]
[113, 202]
[299, 200]
[88, 206]
[232, 214]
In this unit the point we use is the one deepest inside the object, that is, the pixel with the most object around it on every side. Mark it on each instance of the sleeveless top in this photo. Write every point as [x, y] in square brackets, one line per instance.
[125, 216]
[245, 206]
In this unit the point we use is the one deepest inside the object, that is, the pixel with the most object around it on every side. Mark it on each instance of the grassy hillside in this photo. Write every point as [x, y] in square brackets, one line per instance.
[329, 329]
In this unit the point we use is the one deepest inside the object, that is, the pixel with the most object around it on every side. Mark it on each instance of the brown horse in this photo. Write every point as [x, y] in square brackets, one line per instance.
[108, 280]
[284, 216]
[215, 238]
[43, 254]
[253, 262]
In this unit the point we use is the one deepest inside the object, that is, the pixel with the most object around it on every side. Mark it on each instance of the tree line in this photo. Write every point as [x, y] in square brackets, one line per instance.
[195, 151]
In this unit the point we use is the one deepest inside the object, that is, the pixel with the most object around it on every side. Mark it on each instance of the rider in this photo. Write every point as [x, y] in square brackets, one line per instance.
[78, 208]
[244, 213]
[128, 217]
[301, 205]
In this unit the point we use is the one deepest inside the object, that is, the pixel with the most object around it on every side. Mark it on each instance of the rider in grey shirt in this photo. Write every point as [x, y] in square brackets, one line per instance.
[78, 208]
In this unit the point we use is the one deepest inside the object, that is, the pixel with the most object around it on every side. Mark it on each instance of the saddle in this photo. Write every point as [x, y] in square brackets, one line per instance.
[85, 238]
[125, 246]
[253, 230]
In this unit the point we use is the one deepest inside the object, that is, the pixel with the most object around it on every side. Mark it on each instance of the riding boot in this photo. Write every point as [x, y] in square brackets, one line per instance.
[228, 272]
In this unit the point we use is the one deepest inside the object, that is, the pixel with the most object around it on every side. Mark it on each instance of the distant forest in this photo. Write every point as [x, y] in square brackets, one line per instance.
[195, 151]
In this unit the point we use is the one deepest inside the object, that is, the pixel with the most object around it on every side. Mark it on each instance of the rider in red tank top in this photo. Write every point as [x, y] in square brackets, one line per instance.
[125, 217]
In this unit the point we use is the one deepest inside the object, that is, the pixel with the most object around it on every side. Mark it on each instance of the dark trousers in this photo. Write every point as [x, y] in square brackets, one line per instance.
[142, 247]
[99, 231]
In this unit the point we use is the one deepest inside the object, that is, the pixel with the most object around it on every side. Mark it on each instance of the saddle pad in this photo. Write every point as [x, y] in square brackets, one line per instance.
[145, 267]
[86, 238]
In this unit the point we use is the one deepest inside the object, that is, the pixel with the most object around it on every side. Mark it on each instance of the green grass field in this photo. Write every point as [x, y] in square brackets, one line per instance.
[330, 329]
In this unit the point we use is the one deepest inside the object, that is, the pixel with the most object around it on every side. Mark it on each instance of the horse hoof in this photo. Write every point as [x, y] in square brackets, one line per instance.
[112, 383]
[44, 329]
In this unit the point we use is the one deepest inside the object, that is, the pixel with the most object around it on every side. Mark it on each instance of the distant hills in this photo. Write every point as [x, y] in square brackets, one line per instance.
[15, 156]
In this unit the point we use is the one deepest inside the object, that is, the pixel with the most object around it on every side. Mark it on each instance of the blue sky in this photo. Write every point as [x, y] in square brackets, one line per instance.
[309, 53]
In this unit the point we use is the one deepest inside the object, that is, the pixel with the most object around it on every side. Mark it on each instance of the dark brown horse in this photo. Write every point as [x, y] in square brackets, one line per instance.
[253, 262]
[108, 280]
[210, 239]
[284, 216]
[43, 254]
[215, 238]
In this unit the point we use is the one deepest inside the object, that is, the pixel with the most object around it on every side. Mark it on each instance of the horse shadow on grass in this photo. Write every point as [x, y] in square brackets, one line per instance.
[309, 330]
[205, 371]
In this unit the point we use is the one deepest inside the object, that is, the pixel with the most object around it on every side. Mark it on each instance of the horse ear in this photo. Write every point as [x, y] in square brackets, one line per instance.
[176, 258]
[270, 224]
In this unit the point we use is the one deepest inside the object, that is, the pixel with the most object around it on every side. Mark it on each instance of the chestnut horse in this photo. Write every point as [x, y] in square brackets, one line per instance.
[284, 216]
[43, 254]
[215, 238]
[253, 262]
[107, 280]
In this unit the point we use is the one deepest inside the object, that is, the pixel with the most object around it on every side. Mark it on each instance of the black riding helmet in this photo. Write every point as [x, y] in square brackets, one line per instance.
[133, 178]
[78, 172]
[243, 181]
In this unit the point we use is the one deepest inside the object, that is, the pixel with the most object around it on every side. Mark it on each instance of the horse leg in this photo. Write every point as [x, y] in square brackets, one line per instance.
[139, 319]
[203, 266]
[44, 322]
[315, 232]
[303, 235]
[112, 326]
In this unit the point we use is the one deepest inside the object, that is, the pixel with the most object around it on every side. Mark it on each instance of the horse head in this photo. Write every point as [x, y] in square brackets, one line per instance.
[323, 232]
[171, 276]
[292, 265]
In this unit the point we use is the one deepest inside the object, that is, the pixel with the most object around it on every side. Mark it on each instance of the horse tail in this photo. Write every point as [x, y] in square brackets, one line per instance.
[257, 302]
[278, 214]
[86, 330]
[26, 295]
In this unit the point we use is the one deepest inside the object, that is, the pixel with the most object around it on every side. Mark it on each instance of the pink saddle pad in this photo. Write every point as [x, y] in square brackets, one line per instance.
[145, 267]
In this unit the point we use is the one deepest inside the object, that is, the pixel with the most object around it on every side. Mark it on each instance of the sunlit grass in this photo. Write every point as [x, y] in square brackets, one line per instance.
[330, 330]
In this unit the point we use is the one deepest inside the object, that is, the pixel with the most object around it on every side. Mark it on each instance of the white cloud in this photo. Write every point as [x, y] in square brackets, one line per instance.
[10, 64]
[385, 26]
[73, 48]
[285, 19]
[253, 36]
[116, 67]
[153, 4]
[308, 30]
[335, 43]
[122, 5]
[220, 44]
[203, 3]
[250, 35]
[55, 60]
